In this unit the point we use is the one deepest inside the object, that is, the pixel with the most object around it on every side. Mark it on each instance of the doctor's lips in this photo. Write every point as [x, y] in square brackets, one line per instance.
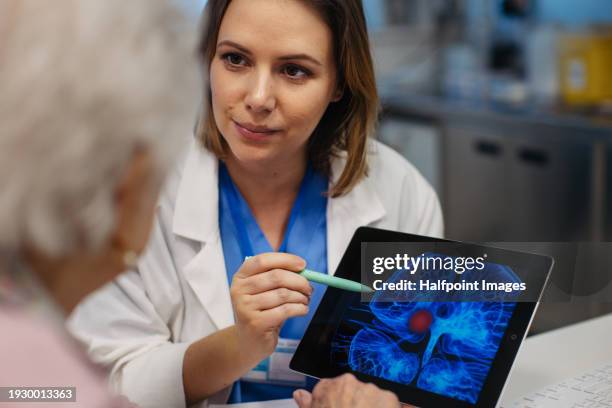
[253, 132]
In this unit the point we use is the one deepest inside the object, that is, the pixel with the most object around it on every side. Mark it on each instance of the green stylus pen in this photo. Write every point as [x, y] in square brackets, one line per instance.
[335, 282]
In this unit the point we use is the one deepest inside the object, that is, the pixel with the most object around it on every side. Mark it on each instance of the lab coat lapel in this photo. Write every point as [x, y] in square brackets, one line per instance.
[196, 217]
[207, 277]
[360, 207]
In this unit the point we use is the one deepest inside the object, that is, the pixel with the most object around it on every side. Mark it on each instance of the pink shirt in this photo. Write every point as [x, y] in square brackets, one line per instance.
[36, 350]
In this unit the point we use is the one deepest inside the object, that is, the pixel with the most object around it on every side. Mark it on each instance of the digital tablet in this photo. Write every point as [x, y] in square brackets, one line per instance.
[453, 352]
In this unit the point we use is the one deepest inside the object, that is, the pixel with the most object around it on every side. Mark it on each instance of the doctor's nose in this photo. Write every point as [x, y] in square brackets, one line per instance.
[260, 96]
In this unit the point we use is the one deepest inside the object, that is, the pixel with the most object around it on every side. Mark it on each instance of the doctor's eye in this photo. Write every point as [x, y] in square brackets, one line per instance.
[233, 59]
[296, 72]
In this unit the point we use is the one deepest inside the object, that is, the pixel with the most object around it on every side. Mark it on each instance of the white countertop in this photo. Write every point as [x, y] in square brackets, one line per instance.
[554, 356]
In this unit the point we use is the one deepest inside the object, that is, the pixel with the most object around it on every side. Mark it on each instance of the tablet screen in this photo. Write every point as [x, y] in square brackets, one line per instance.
[430, 353]
[444, 348]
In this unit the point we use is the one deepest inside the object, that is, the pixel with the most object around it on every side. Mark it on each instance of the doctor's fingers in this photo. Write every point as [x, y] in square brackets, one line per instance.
[275, 317]
[276, 278]
[268, 261]
[273, 298]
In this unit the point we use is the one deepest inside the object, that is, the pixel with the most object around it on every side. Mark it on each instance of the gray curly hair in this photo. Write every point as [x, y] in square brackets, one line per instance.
[85, 83]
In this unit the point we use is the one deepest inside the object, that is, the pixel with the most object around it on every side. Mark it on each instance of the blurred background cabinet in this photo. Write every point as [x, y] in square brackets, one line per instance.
[500, 186]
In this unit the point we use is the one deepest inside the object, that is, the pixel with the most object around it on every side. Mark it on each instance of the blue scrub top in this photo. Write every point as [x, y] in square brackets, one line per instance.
[305, 235]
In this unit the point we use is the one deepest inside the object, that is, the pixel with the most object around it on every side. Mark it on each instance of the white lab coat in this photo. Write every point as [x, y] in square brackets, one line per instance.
[141, 324]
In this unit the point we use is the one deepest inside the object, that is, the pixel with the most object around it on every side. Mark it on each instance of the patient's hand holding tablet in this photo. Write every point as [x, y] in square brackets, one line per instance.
[345, 392]
[440, 337]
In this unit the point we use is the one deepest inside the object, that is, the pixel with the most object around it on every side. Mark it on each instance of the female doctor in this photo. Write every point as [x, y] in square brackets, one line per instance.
[281, 165]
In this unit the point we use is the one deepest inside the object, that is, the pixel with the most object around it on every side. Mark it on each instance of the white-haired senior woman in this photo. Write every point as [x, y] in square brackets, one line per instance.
[95, 98]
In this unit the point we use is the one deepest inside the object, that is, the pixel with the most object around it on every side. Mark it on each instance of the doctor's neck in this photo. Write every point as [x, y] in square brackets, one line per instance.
[270, 182]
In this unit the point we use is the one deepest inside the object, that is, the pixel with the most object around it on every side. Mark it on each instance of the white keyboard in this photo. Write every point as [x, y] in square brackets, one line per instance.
[589, 390]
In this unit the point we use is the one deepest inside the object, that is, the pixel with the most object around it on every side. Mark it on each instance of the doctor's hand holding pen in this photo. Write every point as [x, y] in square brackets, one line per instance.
[265, 291]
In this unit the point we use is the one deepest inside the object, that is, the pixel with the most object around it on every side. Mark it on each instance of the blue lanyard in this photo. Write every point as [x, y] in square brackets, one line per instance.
[234, 201]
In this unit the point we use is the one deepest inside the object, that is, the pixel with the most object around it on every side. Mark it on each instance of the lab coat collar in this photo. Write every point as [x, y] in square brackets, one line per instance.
[360, 207]
[196, 212]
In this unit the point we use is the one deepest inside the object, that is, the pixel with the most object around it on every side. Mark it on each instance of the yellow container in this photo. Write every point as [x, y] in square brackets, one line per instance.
[586, 68]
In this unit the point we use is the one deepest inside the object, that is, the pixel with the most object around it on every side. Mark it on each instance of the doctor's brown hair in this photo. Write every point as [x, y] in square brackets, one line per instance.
[347, 123]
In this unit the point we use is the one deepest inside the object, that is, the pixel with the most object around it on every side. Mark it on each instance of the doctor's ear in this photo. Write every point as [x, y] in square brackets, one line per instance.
[338, 94]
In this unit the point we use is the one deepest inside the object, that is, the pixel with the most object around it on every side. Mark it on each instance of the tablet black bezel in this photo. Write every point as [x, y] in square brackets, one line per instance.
[304, 360]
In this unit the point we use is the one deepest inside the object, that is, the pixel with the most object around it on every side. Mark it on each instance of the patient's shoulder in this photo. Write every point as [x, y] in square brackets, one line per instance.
[35, 353]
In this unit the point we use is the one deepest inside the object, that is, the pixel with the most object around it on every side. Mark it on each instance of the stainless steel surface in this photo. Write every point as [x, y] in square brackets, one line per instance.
[426, 107]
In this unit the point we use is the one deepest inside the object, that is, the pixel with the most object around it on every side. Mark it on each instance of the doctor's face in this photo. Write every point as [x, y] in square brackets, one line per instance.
[272, 77]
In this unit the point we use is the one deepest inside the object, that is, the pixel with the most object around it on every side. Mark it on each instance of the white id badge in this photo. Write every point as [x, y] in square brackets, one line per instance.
[275, 369]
